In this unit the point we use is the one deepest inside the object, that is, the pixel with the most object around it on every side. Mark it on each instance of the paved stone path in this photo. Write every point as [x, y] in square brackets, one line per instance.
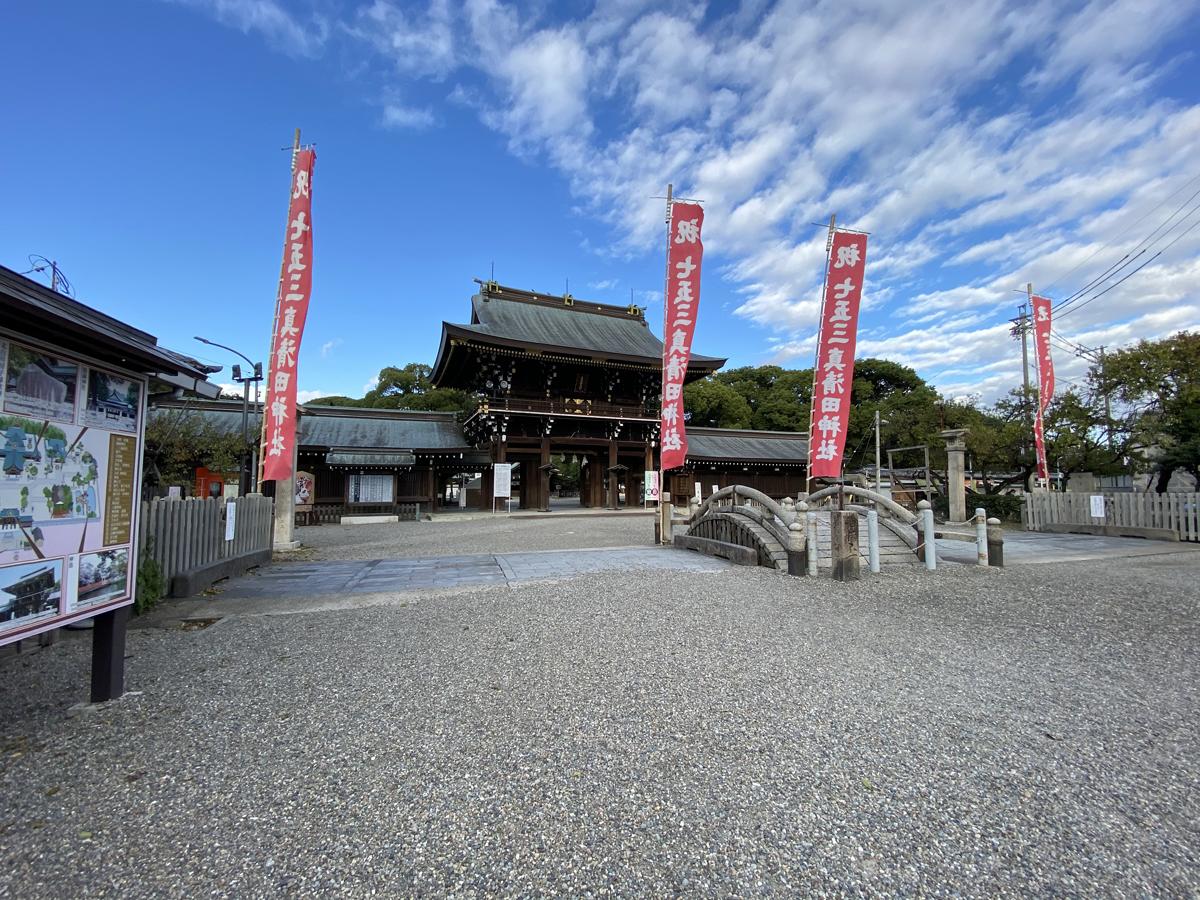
[398, 575]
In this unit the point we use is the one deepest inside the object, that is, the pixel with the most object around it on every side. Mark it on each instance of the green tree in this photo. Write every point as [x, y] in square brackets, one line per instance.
[409, 387]
[710, 403]
[1157, 383]
[1079, 437]
[179, 441]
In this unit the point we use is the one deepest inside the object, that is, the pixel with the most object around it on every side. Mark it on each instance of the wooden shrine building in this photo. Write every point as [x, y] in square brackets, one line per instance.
[558, 375]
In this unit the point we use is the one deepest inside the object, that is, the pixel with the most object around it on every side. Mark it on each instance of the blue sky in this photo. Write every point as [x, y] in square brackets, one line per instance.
[984, 144]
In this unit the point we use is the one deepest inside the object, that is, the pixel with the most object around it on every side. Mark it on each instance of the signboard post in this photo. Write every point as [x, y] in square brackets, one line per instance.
[502, 482]
[652, 489]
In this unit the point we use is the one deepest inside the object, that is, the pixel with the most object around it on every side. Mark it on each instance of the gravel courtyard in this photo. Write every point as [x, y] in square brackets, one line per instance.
[450, 535]
[973, 732]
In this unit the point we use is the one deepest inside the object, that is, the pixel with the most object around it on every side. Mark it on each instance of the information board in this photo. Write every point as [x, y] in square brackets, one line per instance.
[70, 464]
[502, 480]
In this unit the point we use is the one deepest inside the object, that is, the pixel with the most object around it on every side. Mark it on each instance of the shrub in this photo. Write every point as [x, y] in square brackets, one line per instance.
[151, 585]
[1005, 507]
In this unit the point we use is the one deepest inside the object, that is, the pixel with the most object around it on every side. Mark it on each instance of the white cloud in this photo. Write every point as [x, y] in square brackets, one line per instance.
[329, 346]
[983, 144]
[399, 116]
[305, 396]
[272, 20]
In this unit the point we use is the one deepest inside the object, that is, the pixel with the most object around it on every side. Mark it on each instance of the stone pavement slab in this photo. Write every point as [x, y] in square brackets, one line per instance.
[294, 587]
[1031, 547]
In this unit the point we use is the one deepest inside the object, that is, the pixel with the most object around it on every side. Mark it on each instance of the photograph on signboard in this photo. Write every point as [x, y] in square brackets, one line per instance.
[110, 401]
[102, 577]
[54, 488]
[40, 385]
[29, 592]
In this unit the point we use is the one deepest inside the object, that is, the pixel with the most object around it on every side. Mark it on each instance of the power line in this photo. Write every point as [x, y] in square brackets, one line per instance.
[1138, 250]
[1178, 238]
[1179, 190]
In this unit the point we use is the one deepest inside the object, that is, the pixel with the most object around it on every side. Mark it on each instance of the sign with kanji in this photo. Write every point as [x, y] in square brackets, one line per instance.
[652, 485]
[291, 309]
[834, 373]
[1045, 366]
[682, 301]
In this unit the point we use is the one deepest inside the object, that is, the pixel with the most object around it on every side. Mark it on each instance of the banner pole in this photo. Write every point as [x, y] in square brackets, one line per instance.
[812, 402]
[262, 436]
[1026, 324]
[663, 513]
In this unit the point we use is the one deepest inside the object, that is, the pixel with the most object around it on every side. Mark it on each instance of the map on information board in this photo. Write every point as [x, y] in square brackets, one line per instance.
[68, 482]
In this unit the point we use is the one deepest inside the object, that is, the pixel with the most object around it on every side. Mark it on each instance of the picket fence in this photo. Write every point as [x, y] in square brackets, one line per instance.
[182, 535]
[1175, 512]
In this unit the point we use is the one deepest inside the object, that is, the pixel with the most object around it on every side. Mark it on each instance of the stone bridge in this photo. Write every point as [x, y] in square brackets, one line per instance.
[746, 526]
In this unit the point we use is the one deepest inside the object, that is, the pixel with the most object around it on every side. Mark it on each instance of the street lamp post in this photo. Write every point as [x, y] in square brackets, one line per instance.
[254, 375]
[878, 477]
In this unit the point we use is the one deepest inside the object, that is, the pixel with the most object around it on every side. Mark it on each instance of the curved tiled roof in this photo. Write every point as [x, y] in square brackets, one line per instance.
[527, 320]
[750, 446]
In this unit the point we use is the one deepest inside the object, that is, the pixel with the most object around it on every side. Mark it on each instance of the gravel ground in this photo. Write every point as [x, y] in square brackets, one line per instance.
[973, 732]
[450, 536]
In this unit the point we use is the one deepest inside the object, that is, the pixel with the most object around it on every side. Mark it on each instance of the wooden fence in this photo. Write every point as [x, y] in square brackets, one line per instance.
[183, 535]
[1179, 513]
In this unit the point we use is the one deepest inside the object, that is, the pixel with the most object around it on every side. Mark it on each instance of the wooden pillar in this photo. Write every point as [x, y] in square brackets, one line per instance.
[431, 488]
[594, 468]
[108, 654]
[529, 484]
[544, 474]
[614, 488]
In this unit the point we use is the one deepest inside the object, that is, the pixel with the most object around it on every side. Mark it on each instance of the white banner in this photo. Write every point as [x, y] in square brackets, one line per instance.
[652, 485]
[230, 520]
[1097, 506]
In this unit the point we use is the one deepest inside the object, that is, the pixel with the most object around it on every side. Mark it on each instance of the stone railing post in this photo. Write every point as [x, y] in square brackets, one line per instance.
[843, 544]
[981, 537]
[796, 541]
[928, 535]
[873, 540]
[811, 524]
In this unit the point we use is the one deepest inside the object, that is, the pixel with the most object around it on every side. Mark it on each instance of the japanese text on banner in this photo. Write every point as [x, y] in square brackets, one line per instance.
[834, 373]
[295, 288]
[682, 301]
[1045, 365]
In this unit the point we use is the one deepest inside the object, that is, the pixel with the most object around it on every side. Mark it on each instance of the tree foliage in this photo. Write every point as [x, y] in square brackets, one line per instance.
[1156, 385]
[406, 387]
[179, 441]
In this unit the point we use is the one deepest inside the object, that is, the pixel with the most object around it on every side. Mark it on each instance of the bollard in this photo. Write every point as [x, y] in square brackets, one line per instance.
[812, 543]
[995, 543]
[929, 539]
[873, 540]
[981, 540]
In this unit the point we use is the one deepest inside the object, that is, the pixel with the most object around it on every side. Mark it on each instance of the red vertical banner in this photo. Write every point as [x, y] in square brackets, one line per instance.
[1041, 341]
[834, 373]
[291, 309]
[682, 301]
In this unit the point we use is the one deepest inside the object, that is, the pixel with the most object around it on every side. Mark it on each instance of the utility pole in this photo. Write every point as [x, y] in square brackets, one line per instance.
[1108, 423]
